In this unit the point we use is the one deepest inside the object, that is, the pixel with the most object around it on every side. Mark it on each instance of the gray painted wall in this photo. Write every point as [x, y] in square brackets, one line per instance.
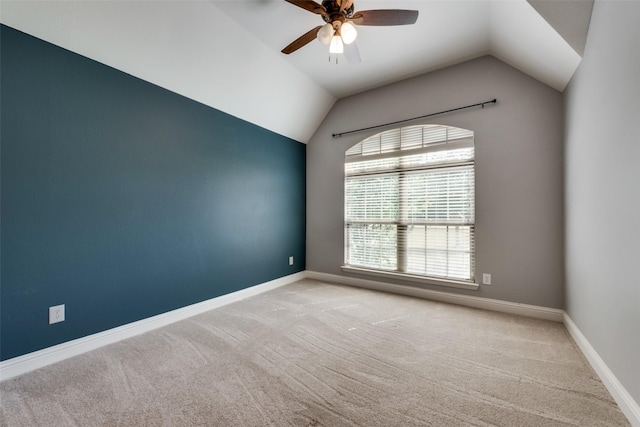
[519, 173]
[603, 190]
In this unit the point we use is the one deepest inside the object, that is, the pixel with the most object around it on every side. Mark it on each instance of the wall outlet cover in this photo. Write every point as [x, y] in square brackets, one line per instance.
[56, 314]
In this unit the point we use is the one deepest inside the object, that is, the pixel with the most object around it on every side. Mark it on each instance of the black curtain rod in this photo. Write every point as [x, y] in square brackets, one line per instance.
[479, 104]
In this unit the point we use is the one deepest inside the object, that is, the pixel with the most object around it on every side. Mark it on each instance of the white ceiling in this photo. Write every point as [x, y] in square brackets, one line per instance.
[226, 54]
[447, 32]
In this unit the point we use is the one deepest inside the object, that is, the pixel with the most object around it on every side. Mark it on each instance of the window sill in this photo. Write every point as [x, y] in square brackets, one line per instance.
[460, 284]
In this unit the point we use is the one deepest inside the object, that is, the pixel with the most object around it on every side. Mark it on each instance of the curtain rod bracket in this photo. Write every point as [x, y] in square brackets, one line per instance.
[481, 104]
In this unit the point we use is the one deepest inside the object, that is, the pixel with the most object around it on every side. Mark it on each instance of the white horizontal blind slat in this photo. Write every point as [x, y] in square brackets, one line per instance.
[438, 196]
[433, 148]
[408, 138]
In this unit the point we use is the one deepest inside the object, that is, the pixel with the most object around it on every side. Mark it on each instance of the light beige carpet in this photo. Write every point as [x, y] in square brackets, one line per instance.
[315, 354]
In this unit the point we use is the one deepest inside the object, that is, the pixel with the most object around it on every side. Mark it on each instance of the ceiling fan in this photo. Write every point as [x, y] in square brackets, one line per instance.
[339, 32]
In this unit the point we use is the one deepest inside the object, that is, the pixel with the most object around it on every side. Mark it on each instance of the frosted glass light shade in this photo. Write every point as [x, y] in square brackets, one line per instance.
[325, 33]
[348, 32]
[336, 45]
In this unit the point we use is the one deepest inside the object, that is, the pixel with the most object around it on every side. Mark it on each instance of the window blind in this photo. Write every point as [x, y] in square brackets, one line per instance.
[410, 202]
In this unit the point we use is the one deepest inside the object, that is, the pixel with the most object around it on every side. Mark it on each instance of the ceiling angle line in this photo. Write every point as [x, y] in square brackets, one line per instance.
[479, 104]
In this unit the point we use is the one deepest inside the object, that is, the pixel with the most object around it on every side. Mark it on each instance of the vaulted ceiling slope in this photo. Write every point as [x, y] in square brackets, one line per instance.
[226, 54]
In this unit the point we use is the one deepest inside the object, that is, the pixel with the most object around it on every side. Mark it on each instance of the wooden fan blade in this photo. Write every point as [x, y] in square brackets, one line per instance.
[385, 17]
[302, 40]
[309, 5]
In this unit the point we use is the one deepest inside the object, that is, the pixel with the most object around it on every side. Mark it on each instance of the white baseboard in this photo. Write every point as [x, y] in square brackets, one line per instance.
[537, 312]
[627, 404]
[41, 358]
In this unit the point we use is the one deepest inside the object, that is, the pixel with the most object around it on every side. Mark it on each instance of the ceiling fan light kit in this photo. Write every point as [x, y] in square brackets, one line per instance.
[325, 34]
[348, 32]
[339, 29]
[336, 45]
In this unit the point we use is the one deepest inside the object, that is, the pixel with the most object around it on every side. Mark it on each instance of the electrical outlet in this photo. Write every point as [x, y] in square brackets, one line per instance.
[486, 279]
[290, 260]
[56, 314]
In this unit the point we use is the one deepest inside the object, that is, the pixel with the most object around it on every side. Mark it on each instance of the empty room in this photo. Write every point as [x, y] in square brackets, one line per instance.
[320, 213]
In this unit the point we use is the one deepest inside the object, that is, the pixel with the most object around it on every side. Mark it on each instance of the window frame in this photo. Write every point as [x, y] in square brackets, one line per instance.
[462, 138]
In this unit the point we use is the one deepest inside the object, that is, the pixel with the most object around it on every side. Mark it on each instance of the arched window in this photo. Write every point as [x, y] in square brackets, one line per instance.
[410, 204]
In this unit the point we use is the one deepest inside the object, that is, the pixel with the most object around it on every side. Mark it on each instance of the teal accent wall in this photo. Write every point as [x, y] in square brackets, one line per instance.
[123, 200]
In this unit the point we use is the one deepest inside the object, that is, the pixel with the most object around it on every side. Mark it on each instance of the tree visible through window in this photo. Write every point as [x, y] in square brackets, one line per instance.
[410, 204]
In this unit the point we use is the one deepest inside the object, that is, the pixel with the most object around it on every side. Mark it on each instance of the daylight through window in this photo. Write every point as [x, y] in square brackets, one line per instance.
[410, 205]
